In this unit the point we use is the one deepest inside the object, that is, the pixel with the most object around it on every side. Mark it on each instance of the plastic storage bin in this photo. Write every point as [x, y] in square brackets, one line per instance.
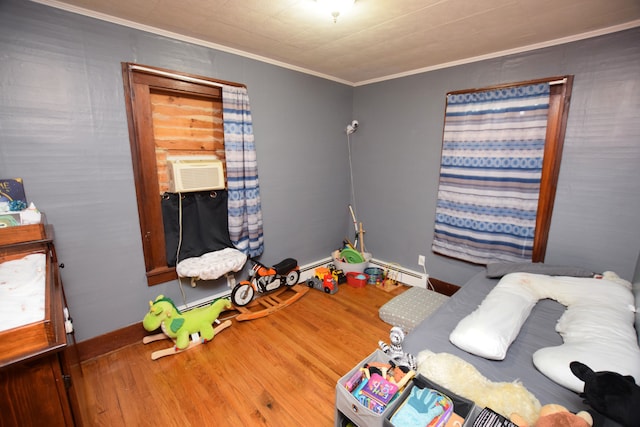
[375, 275]
[348, 408]
[347, 267]
[357, 280]
[465, 408]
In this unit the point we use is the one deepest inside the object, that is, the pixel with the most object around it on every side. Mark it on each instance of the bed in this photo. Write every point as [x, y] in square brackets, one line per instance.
[538, 331]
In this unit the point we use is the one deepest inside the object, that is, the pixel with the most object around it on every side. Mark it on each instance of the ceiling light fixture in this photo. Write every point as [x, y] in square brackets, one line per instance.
[336, 7]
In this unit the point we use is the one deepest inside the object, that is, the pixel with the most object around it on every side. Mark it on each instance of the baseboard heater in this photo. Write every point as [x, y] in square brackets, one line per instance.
[401, 274]
[308, 270]
[206, 300]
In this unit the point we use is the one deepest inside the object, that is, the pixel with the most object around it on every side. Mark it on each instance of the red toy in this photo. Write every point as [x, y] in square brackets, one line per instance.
[357, 280]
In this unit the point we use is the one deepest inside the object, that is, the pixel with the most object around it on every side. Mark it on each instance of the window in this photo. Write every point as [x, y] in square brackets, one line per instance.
[502, 148]
[169, 113]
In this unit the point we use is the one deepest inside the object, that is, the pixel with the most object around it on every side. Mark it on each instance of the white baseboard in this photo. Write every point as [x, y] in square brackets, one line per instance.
[307, 270]
[206, 300]
[401, 274]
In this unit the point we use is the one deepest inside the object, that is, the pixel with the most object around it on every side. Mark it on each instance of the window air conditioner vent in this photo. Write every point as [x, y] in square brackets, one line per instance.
[195, 175]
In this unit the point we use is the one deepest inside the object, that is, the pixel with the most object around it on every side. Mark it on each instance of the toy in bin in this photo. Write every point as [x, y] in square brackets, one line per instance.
[376, 384]
[357, 280]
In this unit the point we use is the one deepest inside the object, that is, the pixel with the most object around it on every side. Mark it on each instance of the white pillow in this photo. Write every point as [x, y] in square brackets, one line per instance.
[491, 328]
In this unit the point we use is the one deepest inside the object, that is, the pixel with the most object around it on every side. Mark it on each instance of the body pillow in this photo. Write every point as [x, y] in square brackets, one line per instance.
[597, 327]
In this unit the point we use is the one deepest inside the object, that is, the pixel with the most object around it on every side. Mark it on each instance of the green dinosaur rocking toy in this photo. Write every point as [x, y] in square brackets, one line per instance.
[180, 326]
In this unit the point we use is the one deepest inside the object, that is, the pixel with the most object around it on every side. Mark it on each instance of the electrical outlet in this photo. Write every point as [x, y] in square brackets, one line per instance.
[421, 260]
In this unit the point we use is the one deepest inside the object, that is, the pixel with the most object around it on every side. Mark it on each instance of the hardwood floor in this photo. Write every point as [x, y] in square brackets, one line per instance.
[280, 370]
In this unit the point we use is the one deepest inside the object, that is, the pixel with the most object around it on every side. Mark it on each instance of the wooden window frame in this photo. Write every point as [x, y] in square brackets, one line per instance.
[559, 101]
[139, 82]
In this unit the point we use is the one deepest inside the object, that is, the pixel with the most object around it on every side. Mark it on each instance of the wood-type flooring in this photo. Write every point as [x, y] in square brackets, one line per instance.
[280, 370]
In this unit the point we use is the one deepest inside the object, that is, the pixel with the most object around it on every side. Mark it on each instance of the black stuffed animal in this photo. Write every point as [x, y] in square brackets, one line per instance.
[614, 395]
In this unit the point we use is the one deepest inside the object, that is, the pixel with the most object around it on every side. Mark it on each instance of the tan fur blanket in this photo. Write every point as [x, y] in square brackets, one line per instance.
[463, 379]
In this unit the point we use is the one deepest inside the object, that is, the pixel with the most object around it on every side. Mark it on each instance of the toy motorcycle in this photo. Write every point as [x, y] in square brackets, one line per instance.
[265, 279]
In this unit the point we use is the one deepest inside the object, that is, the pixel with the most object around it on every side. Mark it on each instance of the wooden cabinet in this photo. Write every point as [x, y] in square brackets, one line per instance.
[40, 373]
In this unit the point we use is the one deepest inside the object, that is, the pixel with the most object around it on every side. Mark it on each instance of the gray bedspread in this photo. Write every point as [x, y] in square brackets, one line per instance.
[538, 331]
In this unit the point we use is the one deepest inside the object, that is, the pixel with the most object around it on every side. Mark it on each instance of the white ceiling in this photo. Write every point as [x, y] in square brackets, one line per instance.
[376, 39]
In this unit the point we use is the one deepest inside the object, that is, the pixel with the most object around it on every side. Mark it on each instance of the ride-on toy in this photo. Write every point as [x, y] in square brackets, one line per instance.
[265, 279]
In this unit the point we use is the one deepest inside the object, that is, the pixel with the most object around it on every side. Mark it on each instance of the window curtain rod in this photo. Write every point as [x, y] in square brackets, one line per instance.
[558, 82]
[175, 76]
[551, 81]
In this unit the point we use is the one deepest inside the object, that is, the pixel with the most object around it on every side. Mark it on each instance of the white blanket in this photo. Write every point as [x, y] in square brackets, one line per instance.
[597, 327]
[212, 265]
[22, 291]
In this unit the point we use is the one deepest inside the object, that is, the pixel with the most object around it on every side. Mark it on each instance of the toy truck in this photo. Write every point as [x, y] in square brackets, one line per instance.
[323, 280]
[337, 274]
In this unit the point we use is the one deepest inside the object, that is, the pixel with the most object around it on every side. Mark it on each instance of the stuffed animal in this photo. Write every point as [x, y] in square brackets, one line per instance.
[179, 326]
[553, 415]
[463, 379]
[612, 394]
[395, 351]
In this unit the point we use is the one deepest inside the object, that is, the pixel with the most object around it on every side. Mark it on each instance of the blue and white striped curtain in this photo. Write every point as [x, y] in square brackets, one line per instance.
[244, 207]
[493, 147]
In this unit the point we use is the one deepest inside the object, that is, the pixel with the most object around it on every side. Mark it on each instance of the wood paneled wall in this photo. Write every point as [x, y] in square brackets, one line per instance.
[185, 126]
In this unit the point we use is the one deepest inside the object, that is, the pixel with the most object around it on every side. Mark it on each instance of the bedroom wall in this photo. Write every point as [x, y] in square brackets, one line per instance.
[595, 222]
[63, 129]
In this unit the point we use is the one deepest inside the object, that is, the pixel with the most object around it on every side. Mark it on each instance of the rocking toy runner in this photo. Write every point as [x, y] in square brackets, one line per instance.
[180, 326]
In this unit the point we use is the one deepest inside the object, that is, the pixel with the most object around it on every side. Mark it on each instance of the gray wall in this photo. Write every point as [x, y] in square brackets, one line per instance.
[595, 221]
[63, 129]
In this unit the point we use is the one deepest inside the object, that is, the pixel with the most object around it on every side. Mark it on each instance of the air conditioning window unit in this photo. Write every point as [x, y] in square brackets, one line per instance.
[195, 175]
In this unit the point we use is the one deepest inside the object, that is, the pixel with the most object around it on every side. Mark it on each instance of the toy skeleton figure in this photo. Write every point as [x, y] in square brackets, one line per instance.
[395, 352]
